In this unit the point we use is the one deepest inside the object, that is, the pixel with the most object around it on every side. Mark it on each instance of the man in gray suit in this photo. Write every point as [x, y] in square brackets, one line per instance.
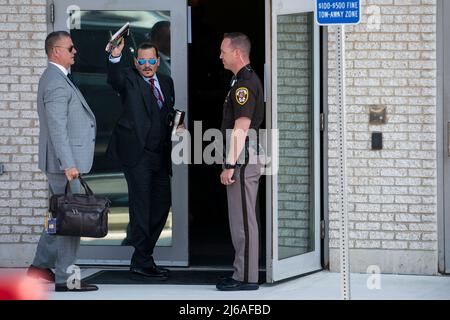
[66, 149]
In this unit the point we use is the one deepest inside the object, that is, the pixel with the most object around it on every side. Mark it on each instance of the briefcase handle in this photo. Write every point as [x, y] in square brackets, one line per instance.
[87, 189]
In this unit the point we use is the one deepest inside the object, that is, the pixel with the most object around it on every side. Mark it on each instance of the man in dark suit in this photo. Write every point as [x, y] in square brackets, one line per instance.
[141, 144]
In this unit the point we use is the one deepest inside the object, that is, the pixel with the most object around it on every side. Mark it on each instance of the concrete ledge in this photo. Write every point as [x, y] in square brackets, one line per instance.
[389, 261]
[16, 254]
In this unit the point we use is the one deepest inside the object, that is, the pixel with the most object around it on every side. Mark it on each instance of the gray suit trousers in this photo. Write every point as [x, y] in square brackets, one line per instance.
[54, 251]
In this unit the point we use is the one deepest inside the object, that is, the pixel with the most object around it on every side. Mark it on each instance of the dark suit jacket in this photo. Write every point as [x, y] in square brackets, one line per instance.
[141, 118]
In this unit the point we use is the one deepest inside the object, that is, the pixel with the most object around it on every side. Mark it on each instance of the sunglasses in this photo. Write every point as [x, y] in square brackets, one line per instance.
[151, 61]
[70, 49]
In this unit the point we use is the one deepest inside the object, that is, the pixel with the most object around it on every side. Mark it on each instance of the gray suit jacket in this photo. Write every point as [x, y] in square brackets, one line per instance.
[67, 124]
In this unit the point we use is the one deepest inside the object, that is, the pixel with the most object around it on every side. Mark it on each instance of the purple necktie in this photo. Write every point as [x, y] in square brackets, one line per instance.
[156, 93]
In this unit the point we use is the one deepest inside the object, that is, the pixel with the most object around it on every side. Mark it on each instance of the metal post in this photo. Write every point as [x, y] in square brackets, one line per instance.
[343, 245]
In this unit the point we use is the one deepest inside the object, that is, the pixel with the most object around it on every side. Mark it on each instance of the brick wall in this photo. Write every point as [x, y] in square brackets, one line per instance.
[23, 189]
[295, 103]
[392, 192]
[392, 201]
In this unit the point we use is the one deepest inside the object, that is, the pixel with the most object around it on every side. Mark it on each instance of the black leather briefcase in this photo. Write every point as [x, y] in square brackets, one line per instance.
[83, 215]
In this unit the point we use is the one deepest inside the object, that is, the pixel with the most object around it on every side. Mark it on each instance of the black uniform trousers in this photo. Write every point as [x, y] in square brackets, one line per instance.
[149, 204]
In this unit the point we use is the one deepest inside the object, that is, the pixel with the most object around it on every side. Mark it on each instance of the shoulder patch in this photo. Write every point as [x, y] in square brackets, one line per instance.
[241, 95]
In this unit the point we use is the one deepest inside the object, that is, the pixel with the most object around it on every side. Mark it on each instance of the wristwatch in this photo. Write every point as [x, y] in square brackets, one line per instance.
[229, 166]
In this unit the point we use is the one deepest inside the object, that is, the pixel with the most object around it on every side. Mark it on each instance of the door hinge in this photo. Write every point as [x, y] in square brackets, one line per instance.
[322, 229]
[52, 13]
[322, 122]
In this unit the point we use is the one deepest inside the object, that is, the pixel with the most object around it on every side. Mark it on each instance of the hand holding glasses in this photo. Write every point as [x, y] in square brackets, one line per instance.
[116, 51]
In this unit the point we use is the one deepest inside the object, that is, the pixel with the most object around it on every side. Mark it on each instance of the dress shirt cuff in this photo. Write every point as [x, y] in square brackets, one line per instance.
[114, 59]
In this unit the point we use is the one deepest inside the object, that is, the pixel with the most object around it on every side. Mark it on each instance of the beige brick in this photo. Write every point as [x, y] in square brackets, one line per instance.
[394, 66]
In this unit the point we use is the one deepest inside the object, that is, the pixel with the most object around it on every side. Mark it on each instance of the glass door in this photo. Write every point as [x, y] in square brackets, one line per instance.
[294, 192]
[446, 102]
[91, 24]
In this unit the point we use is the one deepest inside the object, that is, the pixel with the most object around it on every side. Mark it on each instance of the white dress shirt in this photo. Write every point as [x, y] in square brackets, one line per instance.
[60, 67]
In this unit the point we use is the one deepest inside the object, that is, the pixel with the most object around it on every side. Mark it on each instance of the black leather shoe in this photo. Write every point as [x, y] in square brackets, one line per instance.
[161, 269]
[149, 272]
[62, 287]
[42, 273]
[229, 284]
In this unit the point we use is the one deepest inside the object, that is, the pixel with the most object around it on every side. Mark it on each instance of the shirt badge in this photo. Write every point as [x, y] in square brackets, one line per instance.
[241, 95]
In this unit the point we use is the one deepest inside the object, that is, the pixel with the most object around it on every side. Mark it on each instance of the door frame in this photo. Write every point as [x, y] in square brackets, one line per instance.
[324, 149]
[311, 261]
[443, 132]
[177, 254]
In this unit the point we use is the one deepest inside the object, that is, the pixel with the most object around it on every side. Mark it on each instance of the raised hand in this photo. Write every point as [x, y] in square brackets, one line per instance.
[117, 51]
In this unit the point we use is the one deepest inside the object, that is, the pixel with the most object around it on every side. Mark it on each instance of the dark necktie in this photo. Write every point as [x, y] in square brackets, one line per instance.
[156, 93]
[69, 75]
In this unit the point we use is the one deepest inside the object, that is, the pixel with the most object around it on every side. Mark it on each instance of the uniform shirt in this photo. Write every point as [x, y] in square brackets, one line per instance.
[245, 99]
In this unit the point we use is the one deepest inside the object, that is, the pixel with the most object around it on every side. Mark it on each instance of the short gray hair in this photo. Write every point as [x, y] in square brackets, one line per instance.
[239, 41]
[52, 38]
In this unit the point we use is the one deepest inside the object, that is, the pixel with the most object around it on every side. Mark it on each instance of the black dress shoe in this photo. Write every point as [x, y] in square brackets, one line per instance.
[160, 269]
[229, 284]
[62, 287]
[42, 273]
[149, 272]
